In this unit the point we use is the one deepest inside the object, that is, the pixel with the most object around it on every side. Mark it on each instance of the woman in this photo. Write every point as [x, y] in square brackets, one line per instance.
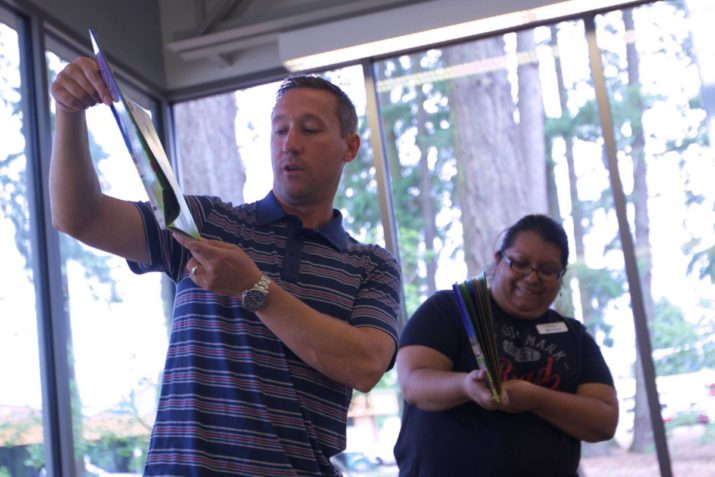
[557, 388]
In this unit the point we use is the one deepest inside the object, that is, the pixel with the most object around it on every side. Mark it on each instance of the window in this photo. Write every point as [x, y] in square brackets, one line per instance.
[664, 158]
[21, 428]
[476, 135]
[119, 323]
[483, 132]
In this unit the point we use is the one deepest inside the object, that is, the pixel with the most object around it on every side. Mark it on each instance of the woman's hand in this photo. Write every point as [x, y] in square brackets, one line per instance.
[476, 386]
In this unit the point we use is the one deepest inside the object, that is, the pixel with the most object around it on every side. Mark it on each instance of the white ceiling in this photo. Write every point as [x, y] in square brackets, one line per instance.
[213, 40]
[218, 41]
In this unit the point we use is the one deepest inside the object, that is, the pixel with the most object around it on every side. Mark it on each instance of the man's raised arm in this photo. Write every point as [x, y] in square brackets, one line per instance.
[79, 208]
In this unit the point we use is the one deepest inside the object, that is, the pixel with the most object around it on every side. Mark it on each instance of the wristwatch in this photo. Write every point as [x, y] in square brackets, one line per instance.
[255, 298]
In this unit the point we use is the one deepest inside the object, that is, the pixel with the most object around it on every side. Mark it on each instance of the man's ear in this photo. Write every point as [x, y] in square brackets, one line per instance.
[353, 142]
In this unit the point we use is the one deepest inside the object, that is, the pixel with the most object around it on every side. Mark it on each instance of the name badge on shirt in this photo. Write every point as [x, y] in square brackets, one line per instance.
[549, 328]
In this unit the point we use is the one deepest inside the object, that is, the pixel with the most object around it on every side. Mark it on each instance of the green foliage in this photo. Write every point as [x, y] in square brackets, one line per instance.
[15, 429]
[702, 261]
[118, 453]
[676, 339]
[709, 435]
[416, 119]
[96, 266]
[628, 105]
[35, 456]
[603, 285]
[687, 418]
[388, 381]
[14, 205]
[709, 349]
[13, 178]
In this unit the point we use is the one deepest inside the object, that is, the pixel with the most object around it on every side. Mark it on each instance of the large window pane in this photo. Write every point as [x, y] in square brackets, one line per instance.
[666, 164]
[119, 324]
[21, 430]
[480, 134]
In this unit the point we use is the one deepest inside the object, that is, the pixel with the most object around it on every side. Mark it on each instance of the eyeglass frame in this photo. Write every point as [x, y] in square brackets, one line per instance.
[539, 271]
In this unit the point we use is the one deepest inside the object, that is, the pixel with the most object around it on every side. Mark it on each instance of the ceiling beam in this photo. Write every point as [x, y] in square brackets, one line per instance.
[212, 37]
[219, 12]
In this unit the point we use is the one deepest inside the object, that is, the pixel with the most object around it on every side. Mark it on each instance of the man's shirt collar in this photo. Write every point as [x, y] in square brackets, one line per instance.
[268, 210]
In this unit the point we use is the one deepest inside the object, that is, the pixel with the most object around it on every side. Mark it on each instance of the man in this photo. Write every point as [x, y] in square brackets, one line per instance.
[279, 313]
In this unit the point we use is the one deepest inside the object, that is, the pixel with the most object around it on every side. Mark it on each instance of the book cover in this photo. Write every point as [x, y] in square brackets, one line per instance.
[165, 197]
[474, 304]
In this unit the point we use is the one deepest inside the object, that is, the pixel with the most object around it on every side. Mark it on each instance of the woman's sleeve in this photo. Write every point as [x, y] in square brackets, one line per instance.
[437, 325]
[595, 369]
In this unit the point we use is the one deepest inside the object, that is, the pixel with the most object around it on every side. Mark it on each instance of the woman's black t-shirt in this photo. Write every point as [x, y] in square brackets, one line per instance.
[470, 441]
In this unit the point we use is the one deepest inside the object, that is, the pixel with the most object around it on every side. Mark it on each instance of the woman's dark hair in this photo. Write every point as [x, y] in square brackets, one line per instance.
[543, 225]
[346, 109]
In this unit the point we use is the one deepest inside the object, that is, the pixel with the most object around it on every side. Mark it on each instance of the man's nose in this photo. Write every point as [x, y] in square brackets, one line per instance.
[291, 140]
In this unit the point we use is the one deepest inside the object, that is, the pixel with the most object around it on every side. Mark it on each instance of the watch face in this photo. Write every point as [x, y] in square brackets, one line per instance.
[253, 300]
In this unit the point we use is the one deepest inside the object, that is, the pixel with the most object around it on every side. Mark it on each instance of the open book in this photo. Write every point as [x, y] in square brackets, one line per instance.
[474, 304]
[165, 196]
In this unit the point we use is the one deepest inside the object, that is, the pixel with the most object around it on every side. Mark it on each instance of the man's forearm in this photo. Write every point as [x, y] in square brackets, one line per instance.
[356, 357]
[74, 187]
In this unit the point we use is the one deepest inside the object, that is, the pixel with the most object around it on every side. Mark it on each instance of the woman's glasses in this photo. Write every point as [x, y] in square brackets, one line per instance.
[548, 273]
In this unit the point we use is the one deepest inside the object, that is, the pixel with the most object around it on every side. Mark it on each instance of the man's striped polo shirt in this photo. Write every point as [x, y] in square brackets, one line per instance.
[234, 399]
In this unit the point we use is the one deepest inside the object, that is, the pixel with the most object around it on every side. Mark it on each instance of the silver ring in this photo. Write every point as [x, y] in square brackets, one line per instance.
[193, 270]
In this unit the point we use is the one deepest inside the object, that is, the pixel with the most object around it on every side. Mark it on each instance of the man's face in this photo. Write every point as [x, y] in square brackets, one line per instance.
[308, 152]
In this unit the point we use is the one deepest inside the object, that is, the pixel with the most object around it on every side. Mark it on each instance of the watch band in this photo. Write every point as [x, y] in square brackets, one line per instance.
[256, 297]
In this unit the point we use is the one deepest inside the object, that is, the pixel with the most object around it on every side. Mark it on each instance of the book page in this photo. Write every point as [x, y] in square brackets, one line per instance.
[167, 201]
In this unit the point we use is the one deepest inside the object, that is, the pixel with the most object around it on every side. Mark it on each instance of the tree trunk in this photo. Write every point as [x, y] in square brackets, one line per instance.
[491, 185]
[577, 213]
[208, 159]
[577, 216]
[207, 149]
[426, 196]
[531, 120]
[642, 429]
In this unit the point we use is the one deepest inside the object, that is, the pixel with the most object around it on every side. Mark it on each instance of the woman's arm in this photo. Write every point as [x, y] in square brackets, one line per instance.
[591, 414]
[427, 381]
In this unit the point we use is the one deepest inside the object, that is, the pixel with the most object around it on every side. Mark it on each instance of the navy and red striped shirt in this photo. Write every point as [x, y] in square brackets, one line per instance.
[234, 399]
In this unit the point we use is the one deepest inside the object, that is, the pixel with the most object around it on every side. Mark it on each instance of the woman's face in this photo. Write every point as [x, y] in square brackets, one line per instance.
[526, 295]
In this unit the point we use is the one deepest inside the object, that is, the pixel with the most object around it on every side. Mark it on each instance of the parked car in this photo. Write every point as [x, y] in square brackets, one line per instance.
[359, 464]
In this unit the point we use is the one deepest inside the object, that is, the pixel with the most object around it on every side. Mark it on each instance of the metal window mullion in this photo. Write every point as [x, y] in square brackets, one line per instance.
[52, 319]
[634, 284]
[382, 170]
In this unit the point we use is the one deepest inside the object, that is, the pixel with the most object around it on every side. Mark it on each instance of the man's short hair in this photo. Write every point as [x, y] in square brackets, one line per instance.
[346, 109]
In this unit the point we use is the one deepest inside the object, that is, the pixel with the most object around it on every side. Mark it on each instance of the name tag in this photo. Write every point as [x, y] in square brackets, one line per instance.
[549, 328]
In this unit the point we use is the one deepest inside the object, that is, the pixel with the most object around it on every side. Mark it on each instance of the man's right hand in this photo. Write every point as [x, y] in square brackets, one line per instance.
[79, 208]
[80, 86]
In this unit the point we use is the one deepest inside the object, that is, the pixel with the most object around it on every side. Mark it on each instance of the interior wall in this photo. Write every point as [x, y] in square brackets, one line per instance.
[129, 31]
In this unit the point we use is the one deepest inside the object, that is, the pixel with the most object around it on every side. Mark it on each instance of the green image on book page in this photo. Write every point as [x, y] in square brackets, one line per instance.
[165, 197]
